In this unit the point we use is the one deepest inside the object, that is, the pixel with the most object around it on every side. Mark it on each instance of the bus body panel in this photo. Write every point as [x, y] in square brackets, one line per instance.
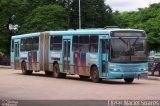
[117, 70]
[75, 62]
[55, 57]
[16, 54]
[31, 58]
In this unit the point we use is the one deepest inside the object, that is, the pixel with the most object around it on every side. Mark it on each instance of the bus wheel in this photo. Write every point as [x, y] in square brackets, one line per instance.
[56, 73]
[95, 74]
[48, 73]
[62, 75]
[24, 69]
[128, 80]
[83, 77]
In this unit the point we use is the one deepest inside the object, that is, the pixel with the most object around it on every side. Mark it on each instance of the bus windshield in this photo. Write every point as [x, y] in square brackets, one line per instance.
[128, 50]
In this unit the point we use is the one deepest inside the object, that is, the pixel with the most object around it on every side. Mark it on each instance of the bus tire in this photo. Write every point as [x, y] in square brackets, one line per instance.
[56, 72]
[24, 69]
[48, 73]
[62, 75]
[128, 80]
[83, 77]
[95, 74]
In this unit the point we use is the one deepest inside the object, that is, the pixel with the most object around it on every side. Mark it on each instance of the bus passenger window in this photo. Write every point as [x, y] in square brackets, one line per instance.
[56, 43]
[28, 44]
[84, 44]
[23, 45]
[51, 43]
[35, 43]
[75, 43]
[12, 49]
[93, 44]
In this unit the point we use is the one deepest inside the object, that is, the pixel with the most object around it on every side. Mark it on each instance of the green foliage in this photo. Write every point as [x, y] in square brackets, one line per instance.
[31, 16]
[47, 17]
[44, 15]
[7, 9]
[147, 19]
[94, 14]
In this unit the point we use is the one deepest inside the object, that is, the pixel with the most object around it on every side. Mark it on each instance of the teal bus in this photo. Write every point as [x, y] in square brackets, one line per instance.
[90, 53]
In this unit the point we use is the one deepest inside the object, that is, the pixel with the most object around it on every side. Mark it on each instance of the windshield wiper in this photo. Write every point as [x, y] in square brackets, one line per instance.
[135, 41]
[123, 41]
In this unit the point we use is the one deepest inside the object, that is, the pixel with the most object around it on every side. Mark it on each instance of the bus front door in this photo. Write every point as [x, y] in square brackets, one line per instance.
[104, 54]
[16, 55]
[66, 55]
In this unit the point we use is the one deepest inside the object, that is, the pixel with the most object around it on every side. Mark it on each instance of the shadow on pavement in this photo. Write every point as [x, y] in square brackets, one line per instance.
[76, 78]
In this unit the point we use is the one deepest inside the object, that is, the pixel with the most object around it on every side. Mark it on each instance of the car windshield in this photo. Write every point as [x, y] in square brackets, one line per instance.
[128, 50]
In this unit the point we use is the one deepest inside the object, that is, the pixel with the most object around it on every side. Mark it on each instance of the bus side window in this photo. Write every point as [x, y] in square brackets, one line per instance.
[23, 44]
[51, 43]
[75, 43]
[93, 44]
[105, 46]
[12, 47]
[57, 43]
[29, 44]
[84, 43]
[35, 43]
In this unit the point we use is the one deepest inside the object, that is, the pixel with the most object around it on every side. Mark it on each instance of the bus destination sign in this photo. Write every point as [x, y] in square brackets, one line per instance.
[127, 34]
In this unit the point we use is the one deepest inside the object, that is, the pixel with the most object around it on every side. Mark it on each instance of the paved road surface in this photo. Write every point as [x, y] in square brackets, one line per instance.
[15, 86]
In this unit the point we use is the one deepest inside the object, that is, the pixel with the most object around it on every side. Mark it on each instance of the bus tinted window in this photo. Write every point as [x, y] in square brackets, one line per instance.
[84, 39]
[23, 44]
[12, 49]
[75, 43]
[28, 44]
[84, 43]
[75, 39]
[93, 39]
[35, 41]
[105, 46]
[93, 44]
[56, 43]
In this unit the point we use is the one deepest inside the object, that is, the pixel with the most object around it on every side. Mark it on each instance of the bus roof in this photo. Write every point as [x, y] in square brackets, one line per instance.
[25, 35]
[75, 32]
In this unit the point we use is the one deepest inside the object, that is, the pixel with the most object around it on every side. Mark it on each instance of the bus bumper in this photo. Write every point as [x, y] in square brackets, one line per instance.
[121, 75]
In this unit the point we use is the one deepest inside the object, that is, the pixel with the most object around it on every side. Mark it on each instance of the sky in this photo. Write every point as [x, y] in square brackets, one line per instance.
[129, 5]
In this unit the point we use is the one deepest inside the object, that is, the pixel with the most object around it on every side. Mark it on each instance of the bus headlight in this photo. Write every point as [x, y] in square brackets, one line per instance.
[113, 67]
[144, 69]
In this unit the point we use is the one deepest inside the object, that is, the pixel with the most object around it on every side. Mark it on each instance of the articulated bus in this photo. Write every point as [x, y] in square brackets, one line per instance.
[90, 53]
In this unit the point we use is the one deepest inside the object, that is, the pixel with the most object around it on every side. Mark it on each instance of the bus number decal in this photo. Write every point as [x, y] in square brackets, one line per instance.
[23, 56]
[55, 56]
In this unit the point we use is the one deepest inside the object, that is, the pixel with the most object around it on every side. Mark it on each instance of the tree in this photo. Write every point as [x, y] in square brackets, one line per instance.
[30, 15]
[147, 19]
[8, 8]
[94, 13]
[44, 18]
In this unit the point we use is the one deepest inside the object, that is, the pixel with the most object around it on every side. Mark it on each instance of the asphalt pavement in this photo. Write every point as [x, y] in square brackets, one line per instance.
[150, 77]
